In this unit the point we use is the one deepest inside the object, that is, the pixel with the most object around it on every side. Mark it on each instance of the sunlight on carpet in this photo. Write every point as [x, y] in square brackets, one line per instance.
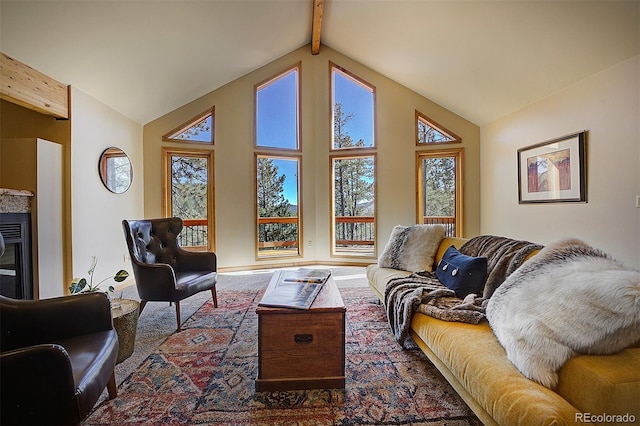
[205, 375]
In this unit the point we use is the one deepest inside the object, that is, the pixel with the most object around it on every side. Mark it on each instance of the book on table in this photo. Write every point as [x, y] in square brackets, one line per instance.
[296, 289]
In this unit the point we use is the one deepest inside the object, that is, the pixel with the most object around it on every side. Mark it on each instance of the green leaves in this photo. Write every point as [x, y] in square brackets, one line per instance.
[120, 276]
[79, 285]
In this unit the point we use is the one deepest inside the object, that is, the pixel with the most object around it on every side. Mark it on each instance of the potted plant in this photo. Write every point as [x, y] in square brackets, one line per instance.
[81, 285]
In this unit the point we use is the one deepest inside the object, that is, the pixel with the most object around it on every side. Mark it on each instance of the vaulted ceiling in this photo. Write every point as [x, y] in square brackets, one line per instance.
[480, 59]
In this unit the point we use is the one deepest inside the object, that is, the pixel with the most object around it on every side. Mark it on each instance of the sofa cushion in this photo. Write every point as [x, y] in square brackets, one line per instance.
[461, 273]
[379, 277]
[412, 248]
[475, 358]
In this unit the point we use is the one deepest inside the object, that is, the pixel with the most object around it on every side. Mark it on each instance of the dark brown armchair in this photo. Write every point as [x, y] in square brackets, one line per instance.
[165, 272]
[57, 356]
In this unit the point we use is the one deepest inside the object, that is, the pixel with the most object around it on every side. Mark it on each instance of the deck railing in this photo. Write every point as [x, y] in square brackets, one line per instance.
[194, 233]
[355, 231]
[350, 231]
[449, 223]
[269, 228]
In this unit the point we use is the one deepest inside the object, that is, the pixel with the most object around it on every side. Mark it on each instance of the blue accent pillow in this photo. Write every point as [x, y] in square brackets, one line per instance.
[461, 273]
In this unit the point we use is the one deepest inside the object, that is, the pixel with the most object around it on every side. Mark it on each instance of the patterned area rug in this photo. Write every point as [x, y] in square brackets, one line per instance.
[205, 375]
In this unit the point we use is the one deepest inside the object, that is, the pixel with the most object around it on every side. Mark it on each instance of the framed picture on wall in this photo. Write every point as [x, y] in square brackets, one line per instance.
[553, 171]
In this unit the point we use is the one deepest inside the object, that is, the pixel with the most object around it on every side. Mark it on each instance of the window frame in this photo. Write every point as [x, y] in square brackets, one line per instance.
[370, 153]
[432, 123]
[366, 85]
[297, 67]
[167, 153]
[192, 122]
[283, 156]
[458, 155]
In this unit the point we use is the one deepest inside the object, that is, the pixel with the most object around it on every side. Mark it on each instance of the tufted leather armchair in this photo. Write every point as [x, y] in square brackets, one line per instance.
[57, 356]
[165, 272]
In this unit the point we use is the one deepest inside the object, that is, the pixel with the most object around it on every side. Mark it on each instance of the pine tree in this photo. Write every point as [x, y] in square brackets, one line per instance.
[189, 187]
[272, 202]
[189, 183]
[353, 177]
[439, 183]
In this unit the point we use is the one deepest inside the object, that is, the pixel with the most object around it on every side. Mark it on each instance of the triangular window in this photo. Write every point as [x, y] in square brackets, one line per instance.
[427, 132]
[199, 129]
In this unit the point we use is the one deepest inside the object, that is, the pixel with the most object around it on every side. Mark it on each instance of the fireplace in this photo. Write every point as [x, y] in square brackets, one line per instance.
[16, 277]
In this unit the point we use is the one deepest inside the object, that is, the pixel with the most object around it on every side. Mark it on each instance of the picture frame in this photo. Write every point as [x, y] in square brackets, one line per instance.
[553, 171]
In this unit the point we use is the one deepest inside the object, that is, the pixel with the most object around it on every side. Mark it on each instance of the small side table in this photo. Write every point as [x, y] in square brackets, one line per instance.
[125, 321]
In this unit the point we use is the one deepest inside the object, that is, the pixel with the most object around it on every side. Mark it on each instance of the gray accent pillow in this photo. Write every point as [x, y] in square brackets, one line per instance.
[412, 248]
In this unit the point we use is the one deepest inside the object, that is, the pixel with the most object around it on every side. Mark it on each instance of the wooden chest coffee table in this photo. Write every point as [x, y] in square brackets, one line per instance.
[302, 349]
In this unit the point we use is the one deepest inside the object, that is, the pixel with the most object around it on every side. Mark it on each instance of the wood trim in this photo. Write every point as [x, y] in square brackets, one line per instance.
[298, 219]
[440, 128]
[458, 155]
[365, 85]
[192, 122]
[22, 85]
[316, 26]
[295, 68]
[209, 155]
[332, 214]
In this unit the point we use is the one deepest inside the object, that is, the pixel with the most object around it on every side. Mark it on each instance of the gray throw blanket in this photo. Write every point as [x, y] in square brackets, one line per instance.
[426, 294]
[504, 256]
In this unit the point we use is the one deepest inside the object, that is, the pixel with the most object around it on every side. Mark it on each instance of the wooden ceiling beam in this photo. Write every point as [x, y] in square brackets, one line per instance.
[22, 85]
[316, 26]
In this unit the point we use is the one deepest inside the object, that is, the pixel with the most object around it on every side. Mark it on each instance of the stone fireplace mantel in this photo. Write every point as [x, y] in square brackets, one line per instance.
[15, 200]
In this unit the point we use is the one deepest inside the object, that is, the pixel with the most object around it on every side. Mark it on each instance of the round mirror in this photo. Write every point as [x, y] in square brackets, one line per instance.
[115, 170]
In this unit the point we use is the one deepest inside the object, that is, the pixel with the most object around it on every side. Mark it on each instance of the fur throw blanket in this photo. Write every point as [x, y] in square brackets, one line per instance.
[569, 299]
[425, 293]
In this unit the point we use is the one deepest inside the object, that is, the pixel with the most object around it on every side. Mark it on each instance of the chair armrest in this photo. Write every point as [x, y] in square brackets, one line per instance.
[37, 382]
[30, 322]
[155, 281]
[196, 261]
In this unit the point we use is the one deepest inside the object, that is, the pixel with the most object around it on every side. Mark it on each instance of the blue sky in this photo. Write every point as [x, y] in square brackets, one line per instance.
[358, 100]
[290, 170]
[276, 123]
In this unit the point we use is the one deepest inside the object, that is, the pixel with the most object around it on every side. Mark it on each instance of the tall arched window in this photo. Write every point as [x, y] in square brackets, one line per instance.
[353, 165]
[278, 165]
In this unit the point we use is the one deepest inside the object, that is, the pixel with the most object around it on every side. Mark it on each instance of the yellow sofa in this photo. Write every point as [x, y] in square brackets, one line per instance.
[592, 389]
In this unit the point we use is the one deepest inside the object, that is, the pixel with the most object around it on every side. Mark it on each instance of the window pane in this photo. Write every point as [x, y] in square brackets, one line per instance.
[277, 199]
[199, 132]
[189, 179]
[199, 129]
[438, 188]
[353, 112]
[277, 112]
[429, 132]
[354, 206]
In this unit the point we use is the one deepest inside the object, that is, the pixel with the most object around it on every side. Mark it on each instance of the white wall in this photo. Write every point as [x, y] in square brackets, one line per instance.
[97, 212]
[607, 105]
[49, 220]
